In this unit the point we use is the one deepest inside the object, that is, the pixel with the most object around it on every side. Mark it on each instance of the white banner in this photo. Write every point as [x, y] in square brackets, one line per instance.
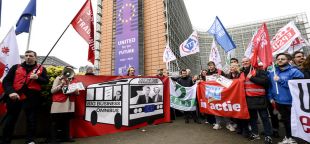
[182, 98]
[168, 55]
[283, 38]
[300, 112]
[190, 45]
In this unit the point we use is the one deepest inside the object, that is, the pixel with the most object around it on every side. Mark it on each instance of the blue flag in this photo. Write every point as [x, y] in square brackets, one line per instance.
[221, 36]
[23, 23]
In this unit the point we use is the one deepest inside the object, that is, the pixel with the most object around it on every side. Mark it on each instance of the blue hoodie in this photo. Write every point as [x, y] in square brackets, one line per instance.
[284, 96]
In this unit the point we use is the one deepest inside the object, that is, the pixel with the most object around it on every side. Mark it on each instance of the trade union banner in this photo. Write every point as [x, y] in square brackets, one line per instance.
[284, 38]
[111, 104]
[223, 100]
[300, 112]
[182, 98]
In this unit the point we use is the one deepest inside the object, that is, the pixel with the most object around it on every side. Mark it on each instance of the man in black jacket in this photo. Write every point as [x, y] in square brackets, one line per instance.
[186, 81]
[22, 86]
[255, 80]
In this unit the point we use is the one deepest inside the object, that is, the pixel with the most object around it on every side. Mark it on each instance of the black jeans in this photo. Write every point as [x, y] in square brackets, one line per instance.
[190, 114]
[14, 107]
[60, 126]
[274, 118]
[285, 111]
[263, 113]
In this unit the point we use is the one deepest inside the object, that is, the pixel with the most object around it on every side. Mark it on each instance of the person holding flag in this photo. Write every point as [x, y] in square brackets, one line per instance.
[22, 87]
[283, 98]
[255, 82]
[186, 81]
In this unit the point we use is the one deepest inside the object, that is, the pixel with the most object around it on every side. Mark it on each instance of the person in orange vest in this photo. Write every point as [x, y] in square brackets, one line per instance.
[255, 82]
[63, 106]
[22, 86]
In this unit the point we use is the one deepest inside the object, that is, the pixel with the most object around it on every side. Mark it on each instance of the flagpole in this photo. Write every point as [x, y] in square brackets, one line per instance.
[30, 27]
[52, 47]
[177, 64]
[274, 73]
[200, 61]
[167, 19]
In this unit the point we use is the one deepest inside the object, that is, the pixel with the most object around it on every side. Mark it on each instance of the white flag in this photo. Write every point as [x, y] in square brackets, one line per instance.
[9, 54]
[182, 98]
[249, 50]
[300, 111]
[168, 55]
[215, 56]
[297, 44]
[283, 38]
[190, 45]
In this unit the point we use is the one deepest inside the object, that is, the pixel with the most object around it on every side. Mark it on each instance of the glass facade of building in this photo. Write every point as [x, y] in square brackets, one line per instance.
[179, 29]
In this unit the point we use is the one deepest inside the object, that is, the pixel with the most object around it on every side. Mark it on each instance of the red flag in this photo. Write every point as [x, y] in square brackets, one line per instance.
[83, 23]
[261, 48]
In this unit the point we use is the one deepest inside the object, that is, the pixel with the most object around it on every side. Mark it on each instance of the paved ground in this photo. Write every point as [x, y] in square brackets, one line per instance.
[170, 133]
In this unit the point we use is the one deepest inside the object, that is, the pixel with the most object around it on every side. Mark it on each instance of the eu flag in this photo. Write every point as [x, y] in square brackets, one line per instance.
[221, 36]
[23, 23]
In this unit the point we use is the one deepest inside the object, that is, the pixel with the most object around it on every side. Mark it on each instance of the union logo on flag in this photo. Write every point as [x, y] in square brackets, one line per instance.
[190, 45]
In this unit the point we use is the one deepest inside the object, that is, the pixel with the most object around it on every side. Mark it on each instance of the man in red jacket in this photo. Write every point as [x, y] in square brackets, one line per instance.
[22, 86]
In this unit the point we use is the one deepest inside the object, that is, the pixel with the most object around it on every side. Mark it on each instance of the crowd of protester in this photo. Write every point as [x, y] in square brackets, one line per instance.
[272, 103]
[267, 95]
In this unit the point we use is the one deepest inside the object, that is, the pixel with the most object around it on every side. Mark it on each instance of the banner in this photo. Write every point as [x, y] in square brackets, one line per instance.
[83, 23]
[215, 55]
[283, 38]
[221, 35]
[23, 23]
[190, 45]
[182, 98]
[300, 112]
[126, 37]
[111, 104]
[168, 55]
[9, 54]
[297, 44]
[216, 99]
